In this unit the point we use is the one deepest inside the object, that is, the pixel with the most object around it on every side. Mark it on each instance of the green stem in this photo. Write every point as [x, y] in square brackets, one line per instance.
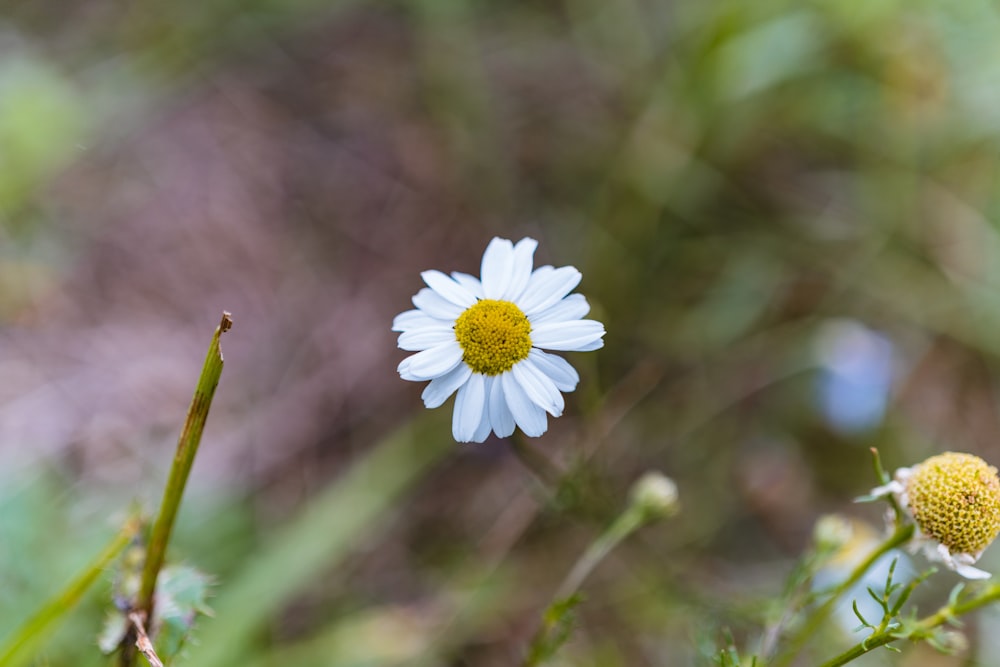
[187, 447]
[920, 630]
[539, 464]
[13, 651]
[626, 523]
[873, 642]
[902, 535]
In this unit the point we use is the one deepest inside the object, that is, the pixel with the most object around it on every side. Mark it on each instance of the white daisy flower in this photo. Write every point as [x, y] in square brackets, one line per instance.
[954, 500]
[485, 339]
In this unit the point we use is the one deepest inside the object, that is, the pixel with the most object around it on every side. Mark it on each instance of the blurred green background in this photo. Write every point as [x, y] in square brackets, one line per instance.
[785, 215]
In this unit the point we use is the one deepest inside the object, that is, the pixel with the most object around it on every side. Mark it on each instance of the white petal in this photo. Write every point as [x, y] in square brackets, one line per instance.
[440, 388]
[426, 337]
[970, 572]
[485, 426]
[558, 369]
[431, 363]
[961, 563]
[448, 288]
[538, 276]
[528, 416]
[404, 370]
[500, 416]
[435, 305]
[470, 408]
[571, 308]
[567, 336]
[524, 254]
[470, 283]
[498, 261]
[539, 388]
[546, 290]
[891, 488]
[414, 319]
[590, 347]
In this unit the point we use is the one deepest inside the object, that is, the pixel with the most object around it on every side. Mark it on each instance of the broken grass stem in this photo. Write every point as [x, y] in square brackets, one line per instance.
[142, 642]
[187, 447]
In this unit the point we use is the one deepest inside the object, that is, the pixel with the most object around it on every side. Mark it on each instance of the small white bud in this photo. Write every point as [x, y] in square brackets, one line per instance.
[951, 642]
[832, 532]
[656, 495]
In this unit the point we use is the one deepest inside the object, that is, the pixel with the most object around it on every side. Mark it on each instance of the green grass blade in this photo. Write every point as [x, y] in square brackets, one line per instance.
[336, 522]
[16, 651]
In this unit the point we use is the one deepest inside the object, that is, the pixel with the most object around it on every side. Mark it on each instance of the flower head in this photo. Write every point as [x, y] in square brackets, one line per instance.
[485, 338]
[954, 500]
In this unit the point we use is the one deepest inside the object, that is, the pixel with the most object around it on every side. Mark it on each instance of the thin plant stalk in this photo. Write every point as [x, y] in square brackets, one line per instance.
[13, 652]
[187, 447]
[816, 619]
[539, 464]
[637, 514]
[921, 629]
[626, 524]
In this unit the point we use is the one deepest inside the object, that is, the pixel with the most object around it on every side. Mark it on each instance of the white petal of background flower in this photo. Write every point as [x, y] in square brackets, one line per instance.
[970, 572]
[960, 563]
[496, 269]
[441, 388]
[448, 288]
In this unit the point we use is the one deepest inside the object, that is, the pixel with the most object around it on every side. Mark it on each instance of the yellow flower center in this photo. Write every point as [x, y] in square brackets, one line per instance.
[494, 336]
[955, 498]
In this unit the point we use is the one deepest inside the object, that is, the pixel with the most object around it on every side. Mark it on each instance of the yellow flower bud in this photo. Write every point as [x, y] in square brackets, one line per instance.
[955, 499]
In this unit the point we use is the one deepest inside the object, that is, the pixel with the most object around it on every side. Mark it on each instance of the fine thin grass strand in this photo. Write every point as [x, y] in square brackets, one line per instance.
[16, 651]
[335, 523]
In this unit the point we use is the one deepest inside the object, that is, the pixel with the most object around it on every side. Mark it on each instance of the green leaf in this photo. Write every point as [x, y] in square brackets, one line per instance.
[181, 595]
[557, 626]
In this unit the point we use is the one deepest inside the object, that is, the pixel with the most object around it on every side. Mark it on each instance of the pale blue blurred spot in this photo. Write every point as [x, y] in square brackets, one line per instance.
[856, 374]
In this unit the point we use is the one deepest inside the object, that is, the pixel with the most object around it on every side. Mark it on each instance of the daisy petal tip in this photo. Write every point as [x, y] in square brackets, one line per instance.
[540, 433]
[970, 572]
[527, 242]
